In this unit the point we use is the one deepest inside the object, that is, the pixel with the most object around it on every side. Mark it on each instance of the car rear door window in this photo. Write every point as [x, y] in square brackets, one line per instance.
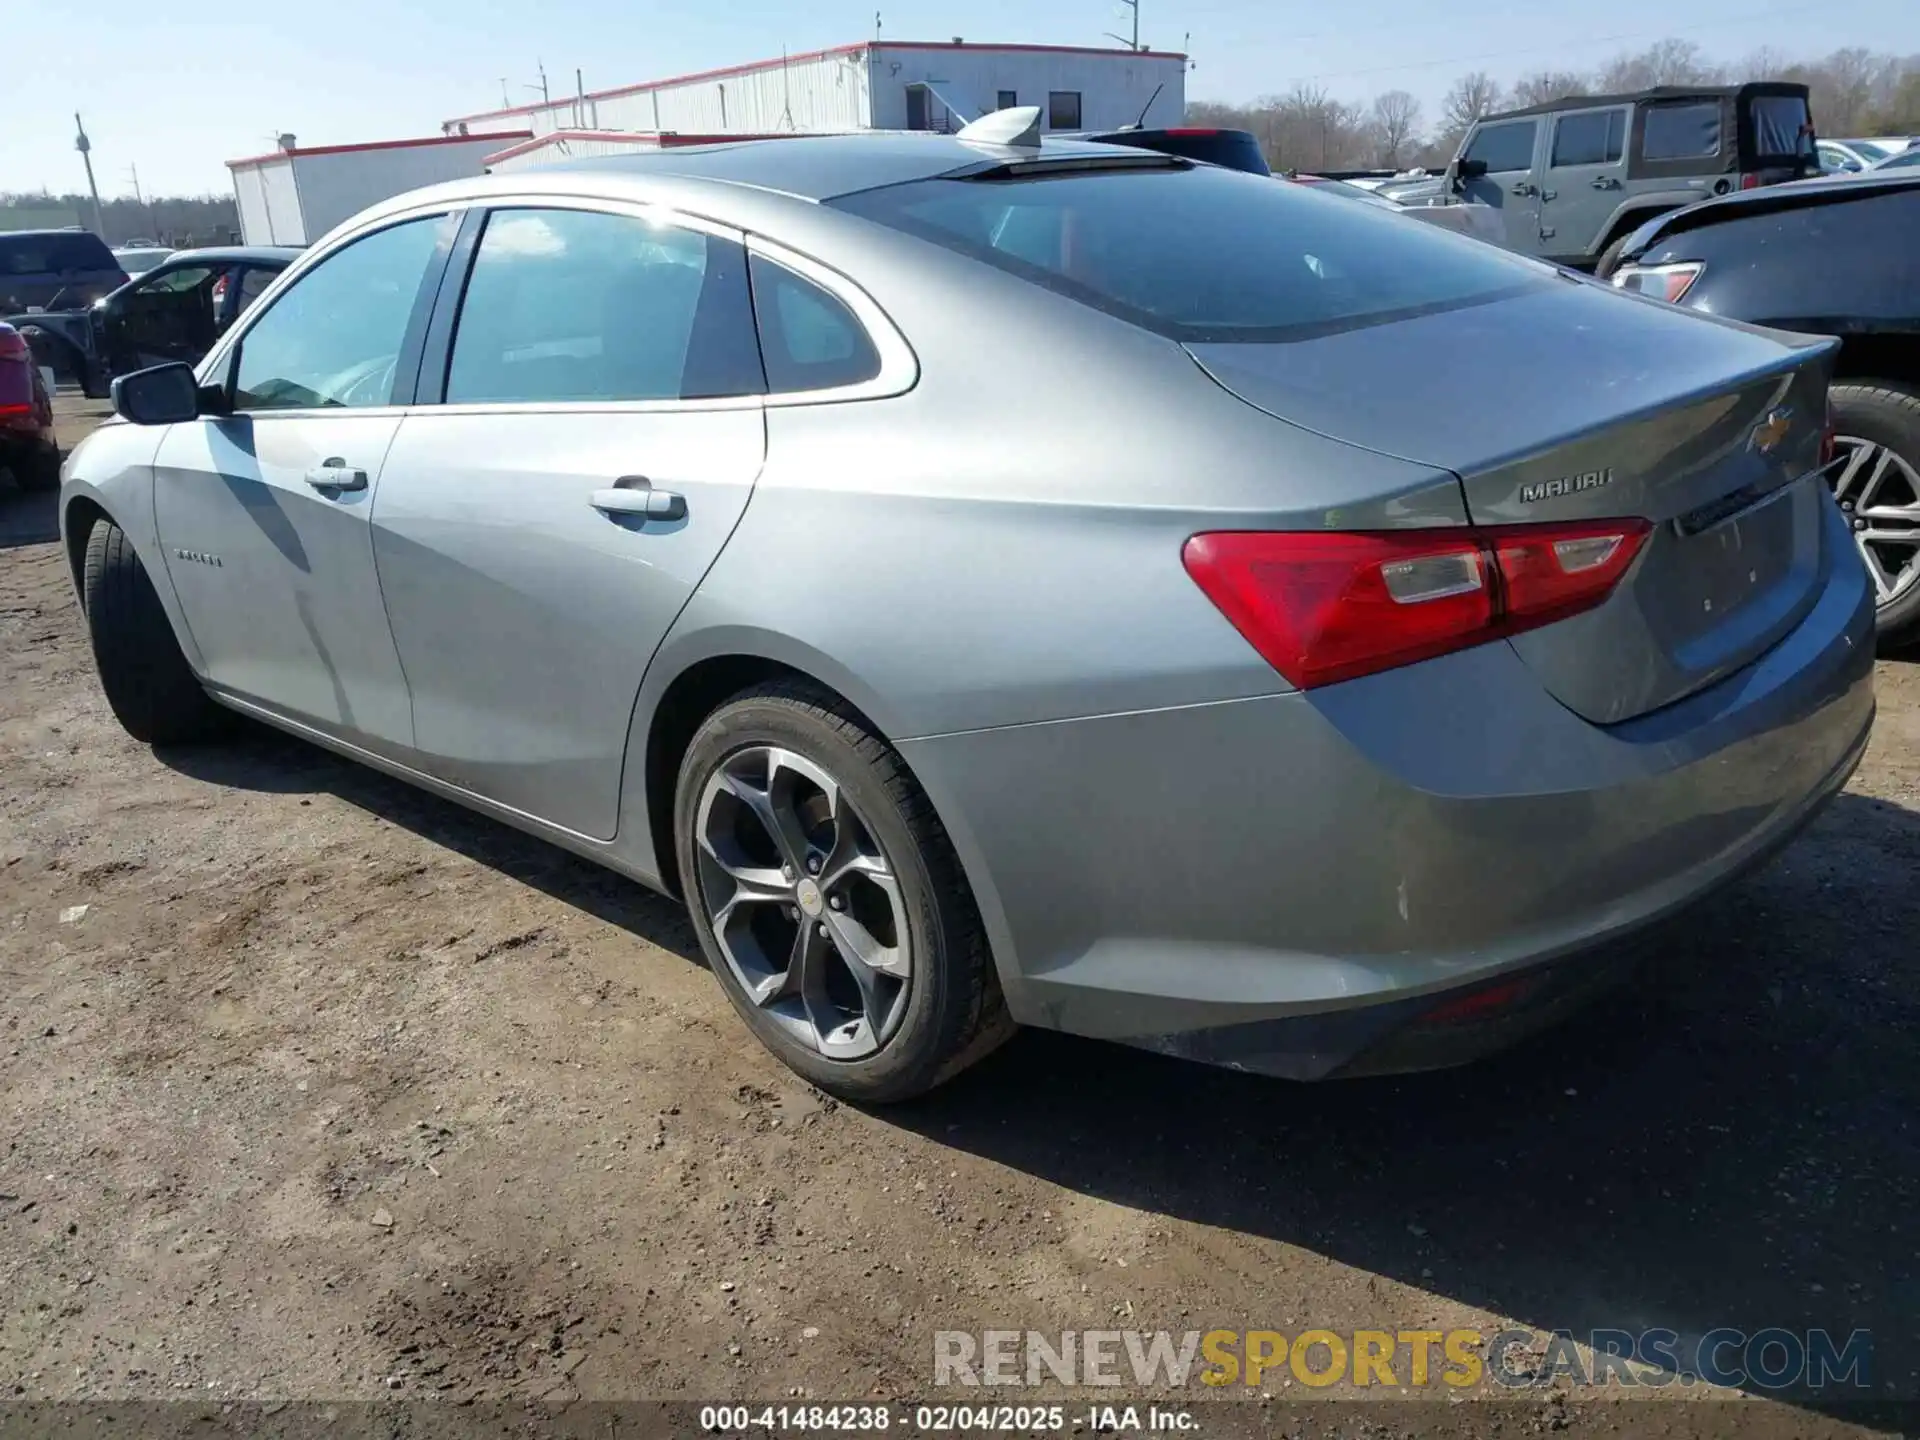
[334, 337]
[1682, 132]
[1203, 254]
[1589, 137]
[810, 341]
[1504, 147]
[583, 305]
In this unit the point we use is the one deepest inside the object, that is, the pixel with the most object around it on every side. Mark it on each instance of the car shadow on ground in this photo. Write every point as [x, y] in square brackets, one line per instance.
[259, 758]
[27, 517]
[1731, 1141]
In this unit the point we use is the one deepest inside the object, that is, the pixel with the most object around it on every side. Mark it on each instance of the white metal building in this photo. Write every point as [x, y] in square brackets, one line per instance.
[880, 85]
[294, 196]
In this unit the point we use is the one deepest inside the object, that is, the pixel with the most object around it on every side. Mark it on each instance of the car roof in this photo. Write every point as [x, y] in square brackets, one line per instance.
[807, 167]
[1658, 92]
[260, 254]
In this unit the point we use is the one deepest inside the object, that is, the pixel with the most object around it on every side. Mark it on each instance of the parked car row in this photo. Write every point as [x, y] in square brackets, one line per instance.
[1573, 177]
[1000, 580]
[173, 310]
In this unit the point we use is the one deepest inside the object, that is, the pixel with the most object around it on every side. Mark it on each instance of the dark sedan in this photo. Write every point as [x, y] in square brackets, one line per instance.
[1828, 257]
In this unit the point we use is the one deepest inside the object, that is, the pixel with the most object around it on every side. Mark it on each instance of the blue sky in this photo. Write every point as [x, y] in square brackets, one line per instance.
[178, 100]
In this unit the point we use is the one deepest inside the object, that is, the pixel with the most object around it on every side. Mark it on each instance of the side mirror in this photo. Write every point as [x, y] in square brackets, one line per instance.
[162, 395]
[1469, 169]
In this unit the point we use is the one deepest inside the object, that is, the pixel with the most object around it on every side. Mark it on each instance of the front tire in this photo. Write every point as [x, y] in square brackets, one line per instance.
[828, 899]
[149, 685]
[1877, 430]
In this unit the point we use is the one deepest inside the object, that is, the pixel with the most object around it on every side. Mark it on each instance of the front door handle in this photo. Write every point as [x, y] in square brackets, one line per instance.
[635, 495]
[336, 474]
[1525, 187]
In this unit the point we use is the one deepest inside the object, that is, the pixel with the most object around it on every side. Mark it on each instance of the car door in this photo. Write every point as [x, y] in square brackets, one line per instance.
[263, 513]
[1505, 148]
[167, 315]
[1585, 179]
[594, 432]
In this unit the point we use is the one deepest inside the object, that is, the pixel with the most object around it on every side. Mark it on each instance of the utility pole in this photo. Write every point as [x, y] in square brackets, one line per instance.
[85, 147]
[545, 98]
[506, 100]
[1134, 43]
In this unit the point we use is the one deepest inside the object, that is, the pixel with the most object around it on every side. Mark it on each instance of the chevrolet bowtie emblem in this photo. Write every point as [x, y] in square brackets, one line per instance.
[1771, 432]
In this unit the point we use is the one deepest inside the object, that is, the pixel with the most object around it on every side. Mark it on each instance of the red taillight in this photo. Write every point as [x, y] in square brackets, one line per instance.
[1324, 607]
[1749, 182]
[13, 345]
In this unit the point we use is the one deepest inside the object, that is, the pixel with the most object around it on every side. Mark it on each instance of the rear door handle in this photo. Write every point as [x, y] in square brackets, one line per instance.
[1605, 182]
[336, 474]
[635, 495]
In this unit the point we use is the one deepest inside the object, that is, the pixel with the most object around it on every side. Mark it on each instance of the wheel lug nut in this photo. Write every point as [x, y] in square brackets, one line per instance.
[813, 865]
[786, 871]
[836, 902]
[821, 931]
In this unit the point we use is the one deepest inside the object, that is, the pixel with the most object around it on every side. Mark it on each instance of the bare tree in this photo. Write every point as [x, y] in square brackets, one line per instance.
[1470, 97]
[1396, 121]
[1545, 85]
[1665, 62]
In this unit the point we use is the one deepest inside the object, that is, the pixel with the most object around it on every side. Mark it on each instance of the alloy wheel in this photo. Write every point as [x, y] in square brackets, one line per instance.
[803, 901]
[1879, 491]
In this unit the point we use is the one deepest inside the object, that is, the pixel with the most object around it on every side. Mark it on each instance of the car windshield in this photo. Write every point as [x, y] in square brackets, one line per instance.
[1907, 159]
[1201, 254]
[138, 262]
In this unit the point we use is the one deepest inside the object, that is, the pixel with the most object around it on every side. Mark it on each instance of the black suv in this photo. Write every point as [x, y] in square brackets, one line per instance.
[55, 270]
[1831, 257]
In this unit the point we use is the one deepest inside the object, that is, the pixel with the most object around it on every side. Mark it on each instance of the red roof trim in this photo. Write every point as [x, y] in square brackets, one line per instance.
[753, 66]
[381, 145]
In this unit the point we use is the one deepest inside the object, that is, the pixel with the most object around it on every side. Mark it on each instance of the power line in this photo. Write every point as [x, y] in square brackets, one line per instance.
[1563, 45]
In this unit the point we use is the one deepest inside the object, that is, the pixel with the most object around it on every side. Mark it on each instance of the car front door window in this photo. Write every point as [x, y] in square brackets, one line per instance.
[1506, 150]
[333, 339]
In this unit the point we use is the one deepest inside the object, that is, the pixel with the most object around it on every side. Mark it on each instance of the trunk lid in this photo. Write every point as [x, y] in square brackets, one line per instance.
[1570, 402]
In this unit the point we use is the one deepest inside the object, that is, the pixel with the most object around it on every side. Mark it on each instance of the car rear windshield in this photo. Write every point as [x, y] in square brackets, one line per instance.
[1204, 255]
[1781, 125]
[51, 254]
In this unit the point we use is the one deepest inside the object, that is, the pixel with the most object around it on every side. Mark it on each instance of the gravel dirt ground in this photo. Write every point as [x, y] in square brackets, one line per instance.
[333, 1090]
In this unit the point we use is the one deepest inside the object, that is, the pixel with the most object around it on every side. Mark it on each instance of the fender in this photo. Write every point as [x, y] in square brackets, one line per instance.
[120, 466]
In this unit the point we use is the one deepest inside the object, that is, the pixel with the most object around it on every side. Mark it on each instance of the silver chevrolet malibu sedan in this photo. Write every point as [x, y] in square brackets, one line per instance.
[1010, 584]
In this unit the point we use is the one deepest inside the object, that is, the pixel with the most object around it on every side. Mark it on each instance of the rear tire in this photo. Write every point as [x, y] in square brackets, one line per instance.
[944, 1009]
[152, 690]
[1610, 257]
[1881, 418]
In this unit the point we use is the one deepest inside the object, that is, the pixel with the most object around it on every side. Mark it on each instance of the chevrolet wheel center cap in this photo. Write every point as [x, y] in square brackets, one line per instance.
[808, 894]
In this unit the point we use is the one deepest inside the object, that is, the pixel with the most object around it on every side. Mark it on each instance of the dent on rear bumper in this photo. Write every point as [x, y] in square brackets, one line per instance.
[1145, 876]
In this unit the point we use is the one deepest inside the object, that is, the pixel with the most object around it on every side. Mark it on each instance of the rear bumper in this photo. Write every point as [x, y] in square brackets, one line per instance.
[1288, 883]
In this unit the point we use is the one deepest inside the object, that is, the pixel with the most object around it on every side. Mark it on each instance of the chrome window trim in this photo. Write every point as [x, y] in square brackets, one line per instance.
[899, 366]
